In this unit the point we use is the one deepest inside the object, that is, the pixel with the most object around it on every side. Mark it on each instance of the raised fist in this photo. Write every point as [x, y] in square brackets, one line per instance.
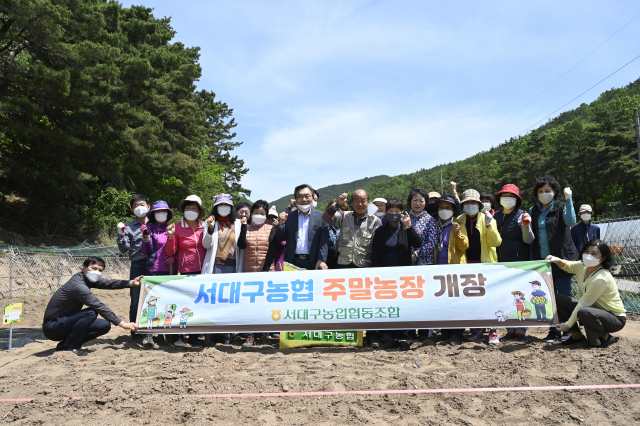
[567, 193]
[244, 220]
[120, 226]
[455, 226]
[342, 199]
[211, 220]
[171, 230]
[283, 218]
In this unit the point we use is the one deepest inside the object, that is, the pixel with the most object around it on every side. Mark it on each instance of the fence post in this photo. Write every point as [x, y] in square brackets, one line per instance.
[59, 271]
[10, 276]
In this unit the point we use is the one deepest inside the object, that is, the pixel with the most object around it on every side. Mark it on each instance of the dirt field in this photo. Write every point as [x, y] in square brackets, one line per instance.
[123, 384]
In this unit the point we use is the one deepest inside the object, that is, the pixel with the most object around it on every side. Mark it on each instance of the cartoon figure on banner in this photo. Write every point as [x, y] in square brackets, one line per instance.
[518, 301]
[500, 315]
[539, 300]
[169, 314]
[151, 311]
[185, 315]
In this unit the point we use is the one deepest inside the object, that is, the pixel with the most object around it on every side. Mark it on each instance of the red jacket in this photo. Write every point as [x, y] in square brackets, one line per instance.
[187, 243]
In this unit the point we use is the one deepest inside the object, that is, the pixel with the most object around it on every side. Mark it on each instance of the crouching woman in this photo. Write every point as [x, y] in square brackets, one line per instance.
[599, 310]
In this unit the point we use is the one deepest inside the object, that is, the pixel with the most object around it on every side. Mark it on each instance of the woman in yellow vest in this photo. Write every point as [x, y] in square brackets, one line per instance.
[599, 309]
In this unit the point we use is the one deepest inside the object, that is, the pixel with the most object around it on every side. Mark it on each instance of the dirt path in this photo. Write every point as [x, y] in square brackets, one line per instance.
[124, 384]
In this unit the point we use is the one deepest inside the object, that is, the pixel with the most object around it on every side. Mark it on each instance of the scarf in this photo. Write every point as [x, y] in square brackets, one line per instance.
[225, 221]
[441, 226]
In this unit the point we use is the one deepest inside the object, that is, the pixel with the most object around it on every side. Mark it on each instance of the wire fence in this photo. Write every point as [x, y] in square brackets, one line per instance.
[42, 275]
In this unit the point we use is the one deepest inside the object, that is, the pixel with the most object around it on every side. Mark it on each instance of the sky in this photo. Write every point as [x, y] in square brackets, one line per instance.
[326, 92]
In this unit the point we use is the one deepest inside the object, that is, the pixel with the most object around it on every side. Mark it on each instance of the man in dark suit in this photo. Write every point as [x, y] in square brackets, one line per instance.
[305, 233]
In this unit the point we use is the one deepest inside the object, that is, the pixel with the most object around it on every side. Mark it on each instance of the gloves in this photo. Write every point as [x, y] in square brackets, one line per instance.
[169, 260]
[567, 193]
[526, 219]
[487, 218]
[121, 228]
[552, 259]
[143, 228]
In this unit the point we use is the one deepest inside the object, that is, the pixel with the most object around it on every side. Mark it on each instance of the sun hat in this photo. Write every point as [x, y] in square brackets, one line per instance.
[223, 199]
[379, 200]
[449, 200]
[510, 188]
[585, 208]
[191, 198]
[273, 211]
[470, 195]
[433, 195]
[160, 205]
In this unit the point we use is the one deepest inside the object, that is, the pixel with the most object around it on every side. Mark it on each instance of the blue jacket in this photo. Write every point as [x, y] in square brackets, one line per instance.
[318, 237]
[581, 233]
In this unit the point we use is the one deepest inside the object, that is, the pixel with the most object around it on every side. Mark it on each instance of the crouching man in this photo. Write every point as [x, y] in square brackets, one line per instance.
[66, 322]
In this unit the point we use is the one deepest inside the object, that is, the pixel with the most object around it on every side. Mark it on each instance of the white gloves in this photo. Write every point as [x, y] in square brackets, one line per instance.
[567, 193]
[487, 218]
[553, 259]
[121, 228]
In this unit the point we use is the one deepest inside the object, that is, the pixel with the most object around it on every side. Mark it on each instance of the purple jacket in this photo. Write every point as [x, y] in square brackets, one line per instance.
[154, 249]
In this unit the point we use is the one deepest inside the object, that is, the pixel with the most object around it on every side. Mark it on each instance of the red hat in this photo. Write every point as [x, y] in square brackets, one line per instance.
[511, 188]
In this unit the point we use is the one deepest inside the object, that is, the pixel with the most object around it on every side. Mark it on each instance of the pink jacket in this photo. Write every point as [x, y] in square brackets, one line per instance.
[187, 243]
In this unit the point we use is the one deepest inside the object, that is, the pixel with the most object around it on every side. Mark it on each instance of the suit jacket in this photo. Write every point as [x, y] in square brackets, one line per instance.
[318, 238]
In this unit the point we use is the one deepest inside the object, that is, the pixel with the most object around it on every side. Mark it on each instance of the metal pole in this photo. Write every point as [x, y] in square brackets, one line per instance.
[59, 271]
[441, 184]
[10, 335]
[636, 121]
[10, 276]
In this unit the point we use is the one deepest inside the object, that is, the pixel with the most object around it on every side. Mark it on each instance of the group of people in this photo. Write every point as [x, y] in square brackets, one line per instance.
[430, 228]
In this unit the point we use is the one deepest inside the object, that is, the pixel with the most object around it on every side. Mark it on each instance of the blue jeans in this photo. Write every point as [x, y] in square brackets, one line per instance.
[138, 267]
[541, 312]
[76, 328]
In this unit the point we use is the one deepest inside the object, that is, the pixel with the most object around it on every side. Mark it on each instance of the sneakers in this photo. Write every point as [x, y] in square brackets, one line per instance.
[572, 341]
[494, 339]
[405, 345]
[373, 343]
[248, 342]
[476, 335]
[606, 342]
[566, 335]
[522, 338]
[179, 344]
[552, 337]
[78, 352]
[509, 336]
[60, 346]
[264, 339]
[455, 340]
[148, 341]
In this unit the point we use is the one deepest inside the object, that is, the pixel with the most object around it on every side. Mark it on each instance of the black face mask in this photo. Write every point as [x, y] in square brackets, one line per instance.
[393, 218]
[432, 208]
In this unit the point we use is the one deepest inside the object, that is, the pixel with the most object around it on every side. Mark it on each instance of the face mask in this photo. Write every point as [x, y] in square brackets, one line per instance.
[546, 197]
[94, 276]
[161, 217]
[508, 202]
[585, 216]
[304, 207]
[140, 211]
[432, 208]
[589, 260]
[379, 214]
[393, 218]
[314, 204]
[487, 206]
[445, 214]
[224, 211]
[258, 219]
[191, 215]
[470, 209]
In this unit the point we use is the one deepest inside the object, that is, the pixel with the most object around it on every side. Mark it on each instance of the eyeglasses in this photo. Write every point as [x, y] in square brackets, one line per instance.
[303, 197]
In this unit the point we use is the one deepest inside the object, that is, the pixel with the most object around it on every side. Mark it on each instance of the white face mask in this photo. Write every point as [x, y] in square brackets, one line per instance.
[224, 211]
[140, 211]
[590, 260]
[546, 197]
[191, 215]
[379, 214]
[445, 214]
[314, 204]
[258, 219]
[585, 216]
[161, 217]
[508, 202]
[94, 276]
[470, 209]
[487, 206]
[304, 207]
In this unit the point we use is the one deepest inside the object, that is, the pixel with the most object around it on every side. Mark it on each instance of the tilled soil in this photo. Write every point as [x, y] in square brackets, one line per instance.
[122, 383]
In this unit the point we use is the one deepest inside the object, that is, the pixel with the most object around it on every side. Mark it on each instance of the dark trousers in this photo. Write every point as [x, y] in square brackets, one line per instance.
[596, 322]
[448, 332]
[138, 267]
[303, 263]
[76, 328]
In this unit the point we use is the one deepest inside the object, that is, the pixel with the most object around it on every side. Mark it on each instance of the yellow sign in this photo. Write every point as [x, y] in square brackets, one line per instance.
[12, 313]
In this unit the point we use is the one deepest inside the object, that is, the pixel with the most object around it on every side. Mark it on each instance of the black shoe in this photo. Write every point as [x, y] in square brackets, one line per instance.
[405, 345]
[553, 337]
[194, 341]
[60, 346]
[572, 341]
[604, 343]
[78, 352]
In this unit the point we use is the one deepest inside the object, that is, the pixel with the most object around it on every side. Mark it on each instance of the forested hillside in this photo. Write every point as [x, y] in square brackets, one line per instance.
[332, 191]
[97, 101]
[592, 149]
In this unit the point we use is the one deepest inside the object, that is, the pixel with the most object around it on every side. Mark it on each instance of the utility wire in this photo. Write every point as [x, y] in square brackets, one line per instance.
[544, 118]
[559, 78]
